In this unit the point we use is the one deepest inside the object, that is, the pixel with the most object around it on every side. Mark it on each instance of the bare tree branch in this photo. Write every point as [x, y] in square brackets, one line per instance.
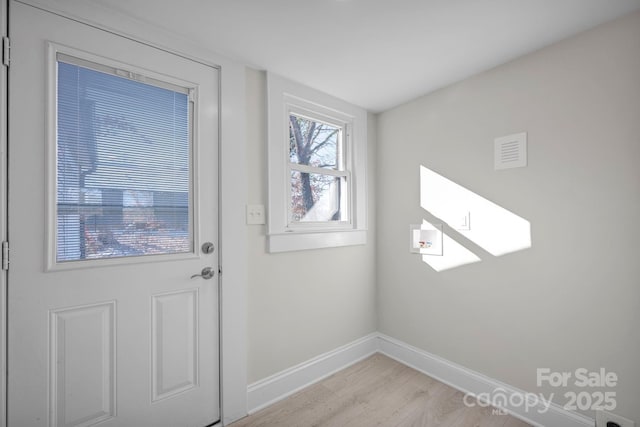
[324, 142]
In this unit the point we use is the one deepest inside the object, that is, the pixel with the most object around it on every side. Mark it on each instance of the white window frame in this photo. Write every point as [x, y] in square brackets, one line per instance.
[286, 97]
[345, 124]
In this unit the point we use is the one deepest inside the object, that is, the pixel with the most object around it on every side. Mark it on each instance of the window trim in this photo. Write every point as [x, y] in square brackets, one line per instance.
[52, 264]
[285, 97]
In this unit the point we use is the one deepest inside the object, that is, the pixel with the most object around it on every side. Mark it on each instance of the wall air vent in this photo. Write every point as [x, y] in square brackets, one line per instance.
[511, 151]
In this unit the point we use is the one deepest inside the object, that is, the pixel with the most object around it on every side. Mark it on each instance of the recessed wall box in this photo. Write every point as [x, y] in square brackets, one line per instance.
[425, 239]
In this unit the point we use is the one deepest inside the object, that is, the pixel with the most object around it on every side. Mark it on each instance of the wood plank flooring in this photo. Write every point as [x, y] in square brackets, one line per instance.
[377, 392]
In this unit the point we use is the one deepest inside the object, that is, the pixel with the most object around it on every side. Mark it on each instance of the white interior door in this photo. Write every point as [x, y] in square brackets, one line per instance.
[113, 195]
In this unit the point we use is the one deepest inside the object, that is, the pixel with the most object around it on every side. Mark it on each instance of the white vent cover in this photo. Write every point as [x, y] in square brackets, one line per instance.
[511, 151]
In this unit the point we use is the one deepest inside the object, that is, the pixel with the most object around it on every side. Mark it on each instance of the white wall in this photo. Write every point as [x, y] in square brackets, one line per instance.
[572, 300]
[301, 304]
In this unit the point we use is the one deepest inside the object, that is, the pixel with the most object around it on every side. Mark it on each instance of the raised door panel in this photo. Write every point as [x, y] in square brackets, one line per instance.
[82, 365]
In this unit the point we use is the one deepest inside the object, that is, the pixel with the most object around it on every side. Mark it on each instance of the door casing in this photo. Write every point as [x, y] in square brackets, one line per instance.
[3, 215]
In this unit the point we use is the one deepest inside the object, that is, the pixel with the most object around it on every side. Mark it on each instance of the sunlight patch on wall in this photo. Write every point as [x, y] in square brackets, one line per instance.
[495, 229]
[453, 255]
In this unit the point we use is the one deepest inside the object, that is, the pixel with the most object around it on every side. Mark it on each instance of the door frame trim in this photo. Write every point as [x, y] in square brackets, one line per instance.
[232, 176]
[4, 118]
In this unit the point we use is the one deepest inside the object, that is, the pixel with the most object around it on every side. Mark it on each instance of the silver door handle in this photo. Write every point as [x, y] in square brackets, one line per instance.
[206, 273]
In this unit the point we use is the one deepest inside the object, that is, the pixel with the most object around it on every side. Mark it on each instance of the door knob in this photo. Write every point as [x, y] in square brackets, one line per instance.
[206, 273]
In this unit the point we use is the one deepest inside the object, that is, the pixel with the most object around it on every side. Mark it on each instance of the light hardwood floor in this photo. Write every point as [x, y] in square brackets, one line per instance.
[377, 392]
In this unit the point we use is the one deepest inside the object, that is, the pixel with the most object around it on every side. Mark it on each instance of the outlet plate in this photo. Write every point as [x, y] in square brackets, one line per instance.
[602, 417]
[255, 215]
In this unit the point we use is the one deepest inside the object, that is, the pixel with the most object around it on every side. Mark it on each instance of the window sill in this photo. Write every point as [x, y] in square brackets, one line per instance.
[299, 241]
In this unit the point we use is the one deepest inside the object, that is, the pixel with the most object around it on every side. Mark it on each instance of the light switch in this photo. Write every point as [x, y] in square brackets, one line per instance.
[255, 215]
[464, 222]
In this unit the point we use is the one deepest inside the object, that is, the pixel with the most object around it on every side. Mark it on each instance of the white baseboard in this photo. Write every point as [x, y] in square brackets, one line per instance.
[474, 383]
[278, 386]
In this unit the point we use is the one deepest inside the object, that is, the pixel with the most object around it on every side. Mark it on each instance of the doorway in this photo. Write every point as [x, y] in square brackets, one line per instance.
[113, 285]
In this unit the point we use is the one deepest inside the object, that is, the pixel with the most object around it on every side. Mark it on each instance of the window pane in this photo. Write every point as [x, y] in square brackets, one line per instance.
[317, 197]
[123, 167]
[314, 143]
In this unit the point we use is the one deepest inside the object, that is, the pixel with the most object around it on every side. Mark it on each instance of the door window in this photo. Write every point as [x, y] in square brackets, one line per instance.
[123, 163]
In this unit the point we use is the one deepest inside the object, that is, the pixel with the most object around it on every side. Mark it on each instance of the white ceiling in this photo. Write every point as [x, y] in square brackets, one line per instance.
[374, 53]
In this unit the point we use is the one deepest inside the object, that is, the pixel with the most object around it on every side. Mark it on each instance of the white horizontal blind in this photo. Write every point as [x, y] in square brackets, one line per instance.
[123, 164]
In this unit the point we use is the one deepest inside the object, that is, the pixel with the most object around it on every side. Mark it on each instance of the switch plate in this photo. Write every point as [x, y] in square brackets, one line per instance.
[464, 222]
[255, 215]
